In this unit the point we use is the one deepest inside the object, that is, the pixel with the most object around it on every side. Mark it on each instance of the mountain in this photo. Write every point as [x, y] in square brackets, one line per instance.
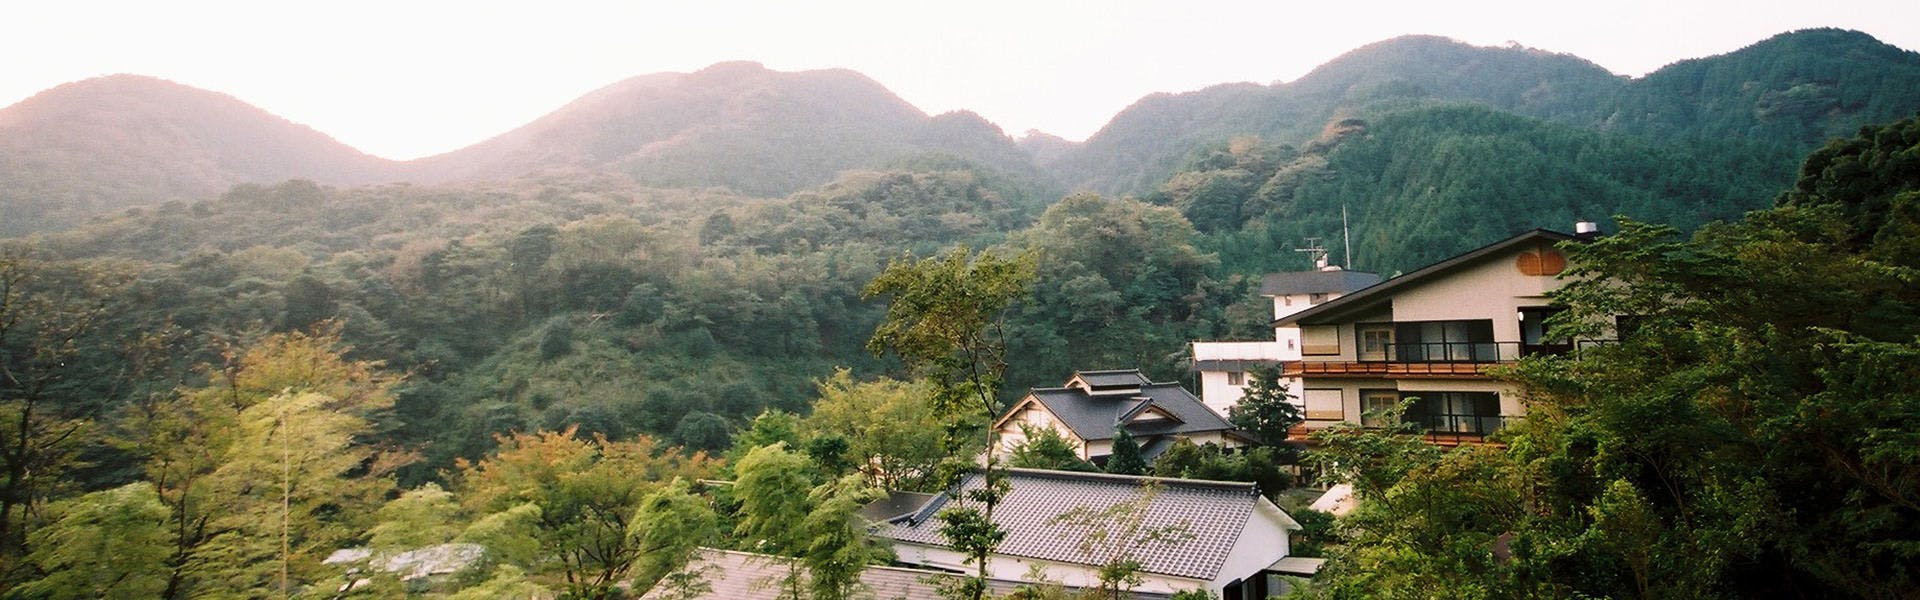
[737, 125]
[1799, 88]
[100, 145]
[1795, 89]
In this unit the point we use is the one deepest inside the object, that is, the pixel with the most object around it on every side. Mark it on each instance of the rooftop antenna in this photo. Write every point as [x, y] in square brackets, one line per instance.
[1316, 252]
[1347, 257]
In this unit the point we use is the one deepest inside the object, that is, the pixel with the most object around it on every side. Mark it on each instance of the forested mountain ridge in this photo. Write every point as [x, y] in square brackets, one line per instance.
[737, 125]
[103, 144]
[1795, 89]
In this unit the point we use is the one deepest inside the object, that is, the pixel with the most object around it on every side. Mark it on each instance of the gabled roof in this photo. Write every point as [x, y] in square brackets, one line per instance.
[1315, 282]
[1214, 512]
[1381, 292]
[733, 575]
[1120, 378]
[1092, 417]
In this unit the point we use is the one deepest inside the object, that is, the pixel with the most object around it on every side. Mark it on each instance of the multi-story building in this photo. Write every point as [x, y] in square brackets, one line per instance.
[1223, 366]
[1427, 337]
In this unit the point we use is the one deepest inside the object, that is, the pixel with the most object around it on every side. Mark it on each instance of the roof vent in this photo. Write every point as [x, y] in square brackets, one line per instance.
[1586, 230]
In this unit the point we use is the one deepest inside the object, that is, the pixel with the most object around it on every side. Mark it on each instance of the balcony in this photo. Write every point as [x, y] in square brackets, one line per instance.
[1426, 359]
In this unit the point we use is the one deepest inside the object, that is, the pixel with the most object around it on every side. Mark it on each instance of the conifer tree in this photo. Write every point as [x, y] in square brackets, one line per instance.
[1126, 458]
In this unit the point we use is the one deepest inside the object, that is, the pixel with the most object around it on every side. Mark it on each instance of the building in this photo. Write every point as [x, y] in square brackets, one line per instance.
[1223, 366]
[733, 575]
[1235, 538]
[1091, 408]
[1430, 337]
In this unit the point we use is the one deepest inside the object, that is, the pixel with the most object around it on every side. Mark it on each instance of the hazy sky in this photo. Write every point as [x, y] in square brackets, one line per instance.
[405, 78]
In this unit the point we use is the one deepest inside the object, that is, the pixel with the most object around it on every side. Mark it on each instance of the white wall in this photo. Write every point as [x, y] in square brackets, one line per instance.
[1013, 568]
[1264, 540]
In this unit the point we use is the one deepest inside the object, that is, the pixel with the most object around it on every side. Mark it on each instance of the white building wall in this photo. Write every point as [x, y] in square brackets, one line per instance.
[1494, 289]
[1264, 540]
[1013, 568]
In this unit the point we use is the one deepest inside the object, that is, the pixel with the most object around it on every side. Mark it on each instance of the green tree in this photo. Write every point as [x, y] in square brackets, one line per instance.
[1266, 410]
[945, 322]
[1126, 459]
[893, 436]
[669, 527]
[772, 485]
[261, 469]
[579, 498]
[421, 517]
[838, 547]
[51, 318]
[1045, 448]
[107, 544]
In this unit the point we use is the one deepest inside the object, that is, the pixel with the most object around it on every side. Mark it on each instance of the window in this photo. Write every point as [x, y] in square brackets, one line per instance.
[1236, 377]
[1376, 340]
[1474, 413]
[1445, 341]
[1319, 339]
[1375, 405]
[1533, 331]
[1324, 405]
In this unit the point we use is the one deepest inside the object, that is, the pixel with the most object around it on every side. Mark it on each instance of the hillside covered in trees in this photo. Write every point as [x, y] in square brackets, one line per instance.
[637, 286]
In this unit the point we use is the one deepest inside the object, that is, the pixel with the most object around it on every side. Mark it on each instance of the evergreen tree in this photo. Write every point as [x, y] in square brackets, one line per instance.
[1126, 459]
[1266, 411]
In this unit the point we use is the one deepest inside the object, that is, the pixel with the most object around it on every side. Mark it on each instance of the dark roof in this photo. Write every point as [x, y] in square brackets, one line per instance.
[1215, 512]
[732, 575]
[895, 504]
[1383, 291]
[1315, 282]
[1092, 417]
[1124, 378]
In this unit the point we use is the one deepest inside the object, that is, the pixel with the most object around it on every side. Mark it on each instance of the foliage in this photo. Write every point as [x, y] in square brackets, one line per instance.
[668, 528]
[583, 501]
[1266, 411]
[839, 548]
[1748, 435]
[944, 321]
[106, 544]
[893, 436]
[1045, 448]
[1261, 466]
[1125, 459]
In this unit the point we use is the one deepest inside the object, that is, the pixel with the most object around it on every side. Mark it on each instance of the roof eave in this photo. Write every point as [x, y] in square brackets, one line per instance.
[1372, 295]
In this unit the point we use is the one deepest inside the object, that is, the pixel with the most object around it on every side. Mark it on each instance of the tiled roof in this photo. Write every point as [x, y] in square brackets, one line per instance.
[1095, 417]
[732, 575]
[1215, 512]
[1113, 379]
[1315, 282]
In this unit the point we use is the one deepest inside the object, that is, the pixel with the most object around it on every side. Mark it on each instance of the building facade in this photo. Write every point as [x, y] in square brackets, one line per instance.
[1093, 406]
[1429, 338]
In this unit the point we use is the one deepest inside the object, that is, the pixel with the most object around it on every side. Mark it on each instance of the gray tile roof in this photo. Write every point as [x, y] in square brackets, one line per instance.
[1215, 512]
[732, 575]
[1095, 417]
[1123, 378]
[1315, 282]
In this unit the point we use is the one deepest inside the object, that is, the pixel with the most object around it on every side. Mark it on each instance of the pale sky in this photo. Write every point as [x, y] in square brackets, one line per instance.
[408, 78]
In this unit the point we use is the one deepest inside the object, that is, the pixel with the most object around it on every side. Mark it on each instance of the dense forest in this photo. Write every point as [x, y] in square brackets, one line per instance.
[547, 364]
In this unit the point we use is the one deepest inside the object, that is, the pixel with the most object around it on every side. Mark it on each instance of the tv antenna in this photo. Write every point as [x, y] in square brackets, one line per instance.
[1316, 252]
